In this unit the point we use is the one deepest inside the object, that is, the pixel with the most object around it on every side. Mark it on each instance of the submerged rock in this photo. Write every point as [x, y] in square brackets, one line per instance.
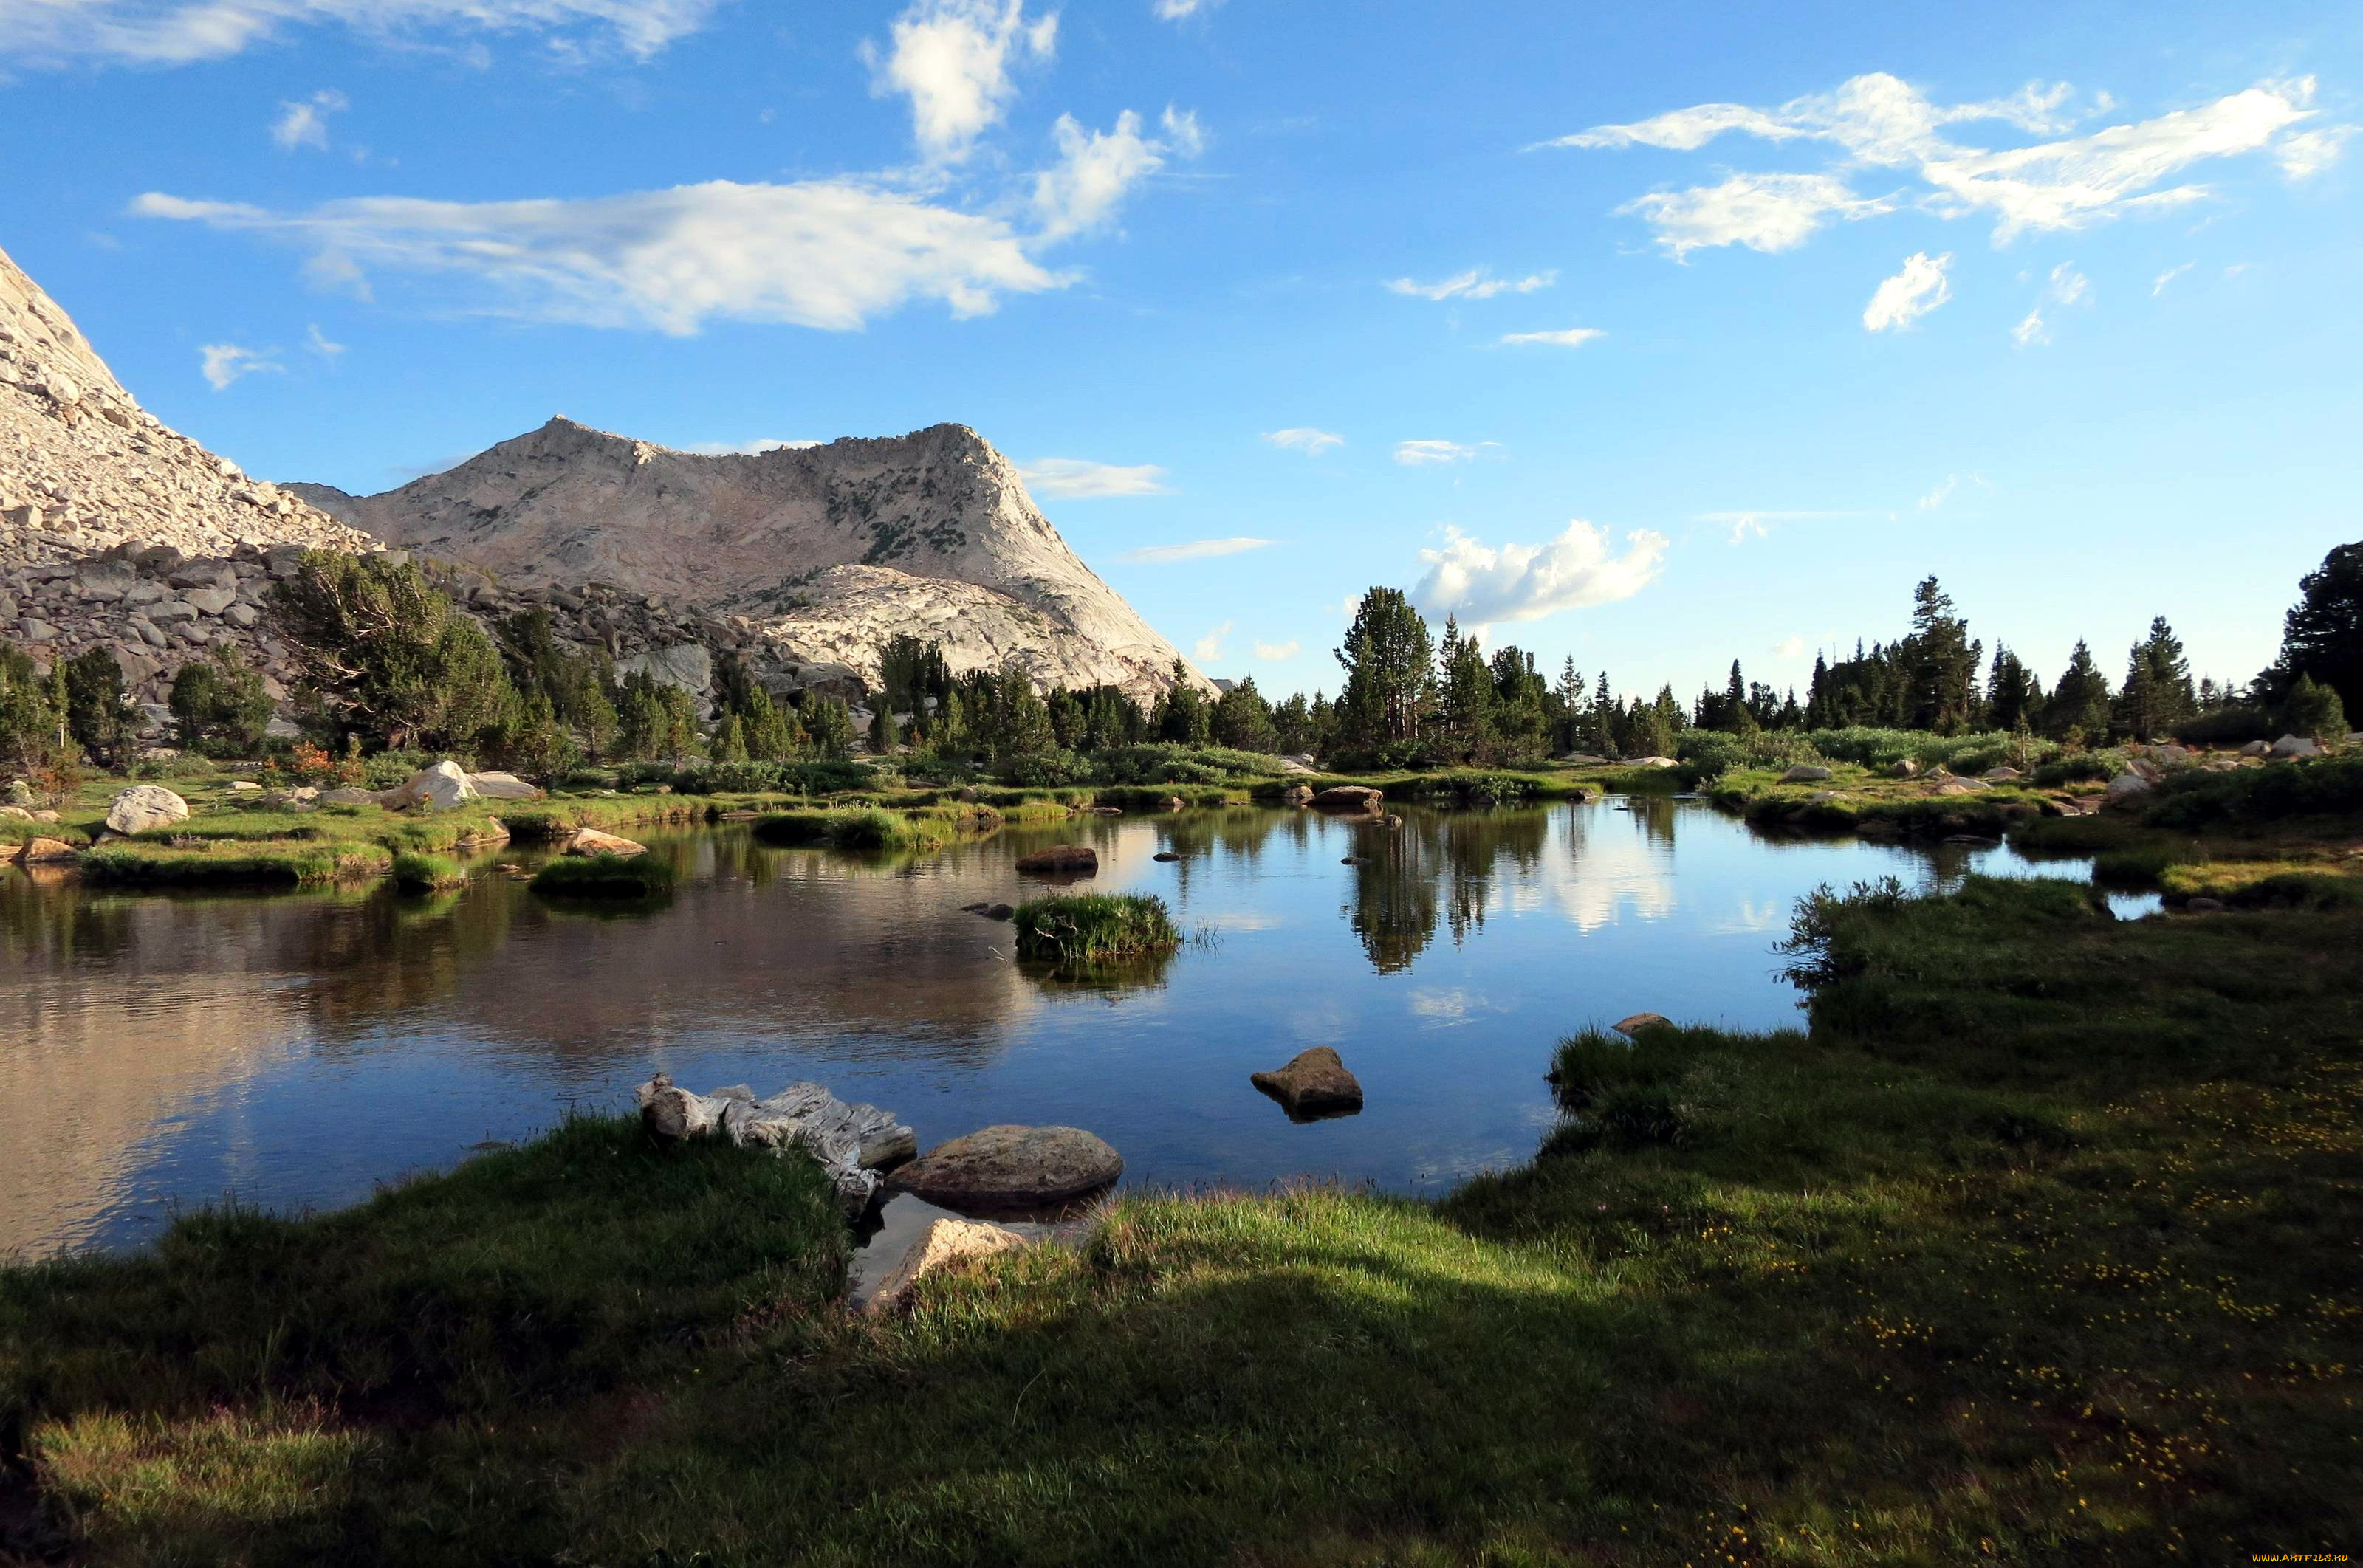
[1061, 860]
[145, 806]
[1012, 1167]
[1314, 1084]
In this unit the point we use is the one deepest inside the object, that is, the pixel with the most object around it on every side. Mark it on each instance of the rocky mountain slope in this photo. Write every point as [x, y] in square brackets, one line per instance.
[815, 556]
[116, 532]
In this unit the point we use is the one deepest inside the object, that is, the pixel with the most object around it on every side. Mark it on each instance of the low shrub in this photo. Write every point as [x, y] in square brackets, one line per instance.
[2078, 768]
[605, 876]
[1082, 928]
[2227, 727]
[1167, 763]
[2197, 799]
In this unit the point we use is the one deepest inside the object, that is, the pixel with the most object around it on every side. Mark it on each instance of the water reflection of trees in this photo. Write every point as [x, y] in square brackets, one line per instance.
[1438, 866]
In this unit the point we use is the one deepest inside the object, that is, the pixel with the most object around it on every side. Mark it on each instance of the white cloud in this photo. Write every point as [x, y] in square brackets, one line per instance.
[2308, 153]
[744, 448]
[823, 253]
[1525, 582]
[1305, 438]
[1941, 493]
[2032, 330]
[1771, 213]
[1095, 168]
[1477, 283]
[2068, 286]
[1181, 10]
[305, 122]
[1912, 294]
[1196, 550]
[318, 342]
[2167, 277]
[952, 60]
[1566, 338]
[1878, 121]
[1789, 647]
[223, 363]
[1079, 479]
[1275, 652]
[177, 32]
[1209, 647]
[1756, 522]
[1413, 454]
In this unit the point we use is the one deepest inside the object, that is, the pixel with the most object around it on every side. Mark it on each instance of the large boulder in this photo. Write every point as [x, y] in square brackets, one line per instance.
[2258, 748]
[437, 789]
[590, 841]
[2125, 788]
[1907, 768]
[46, 851]
[1350, 798]
[1655, 762]
[2297, 745]
[685, 665]
[1297, 795]
[945, 1242]
[1061, 860]
[851, 1142]
[2000, 774]
[145, 806]
[1961, 787]
[1314, 1084]
[346, 795]
[503, 787]
[1805, 773]
[1009, 1167]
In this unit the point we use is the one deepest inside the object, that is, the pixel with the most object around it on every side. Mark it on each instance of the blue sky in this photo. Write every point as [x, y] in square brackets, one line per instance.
[1658, 336]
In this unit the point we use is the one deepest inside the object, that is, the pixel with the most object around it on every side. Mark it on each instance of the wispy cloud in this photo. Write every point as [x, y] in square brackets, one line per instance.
[1881, 122]
[952, 59]
[223, 363]
[1912, 294]
[1080, 479]
[1096, 169]
[1305, 438]
[2068, 286]
[1482, 585]
[2032, 331]
[1565, 338]
[1194, 550]
[2171, 273]
[1209, 648]
[1477, 283]
[1415, 454]
[1789, 647]
[304, 122]
[163, 32]
[1180, 10]
[1757, 522]
[318, 342]
[1275, 652]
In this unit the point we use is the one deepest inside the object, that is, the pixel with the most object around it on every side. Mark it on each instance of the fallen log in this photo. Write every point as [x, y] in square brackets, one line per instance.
[852, 1142]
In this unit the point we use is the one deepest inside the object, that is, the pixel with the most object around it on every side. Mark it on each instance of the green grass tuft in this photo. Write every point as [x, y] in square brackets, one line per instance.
[605, 876]
[1088, 928]
[417, 873]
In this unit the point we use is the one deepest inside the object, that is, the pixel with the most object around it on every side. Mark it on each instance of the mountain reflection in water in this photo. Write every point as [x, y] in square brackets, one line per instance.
[295, 1049]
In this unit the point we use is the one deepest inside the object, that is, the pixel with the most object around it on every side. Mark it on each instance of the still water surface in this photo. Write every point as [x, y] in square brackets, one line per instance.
[295, 1050]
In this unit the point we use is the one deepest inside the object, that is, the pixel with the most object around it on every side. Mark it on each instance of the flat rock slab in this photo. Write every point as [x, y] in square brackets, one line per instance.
[590, 841]
[1009, 1167]
[1348, 797]
[47, 851]
[502, 787]
[945, 1242]
[1314, 1085]
[145, 806]
[1631, 1028]
[1061, 860]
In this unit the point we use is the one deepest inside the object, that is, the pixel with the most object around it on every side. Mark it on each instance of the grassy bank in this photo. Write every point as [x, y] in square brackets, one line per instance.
[2036, 1248]
[880, 830]
[605, 876]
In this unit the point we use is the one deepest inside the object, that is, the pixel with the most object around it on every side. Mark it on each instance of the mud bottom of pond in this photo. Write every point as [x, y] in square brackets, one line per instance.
[883, 1237]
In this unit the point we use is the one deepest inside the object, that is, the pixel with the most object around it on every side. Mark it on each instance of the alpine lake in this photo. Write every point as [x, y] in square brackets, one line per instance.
[293, 1051]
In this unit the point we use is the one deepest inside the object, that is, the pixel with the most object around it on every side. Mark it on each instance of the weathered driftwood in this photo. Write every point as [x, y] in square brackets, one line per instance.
[852, 1142]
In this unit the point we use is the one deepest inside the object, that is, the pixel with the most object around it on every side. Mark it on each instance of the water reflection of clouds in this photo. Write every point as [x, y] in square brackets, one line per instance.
[1444, 1010]
[1596, 879]
[1752, 917]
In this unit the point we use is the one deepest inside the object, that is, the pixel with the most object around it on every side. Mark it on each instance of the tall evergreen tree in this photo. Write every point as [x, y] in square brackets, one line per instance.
[1388, 656]
[2079, 702]
[2322, 637]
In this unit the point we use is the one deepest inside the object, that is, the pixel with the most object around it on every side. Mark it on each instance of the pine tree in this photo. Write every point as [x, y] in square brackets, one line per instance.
[2079, 709]
[1388, 656]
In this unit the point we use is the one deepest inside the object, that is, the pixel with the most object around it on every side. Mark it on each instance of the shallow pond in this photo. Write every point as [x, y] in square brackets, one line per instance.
[294, 1050]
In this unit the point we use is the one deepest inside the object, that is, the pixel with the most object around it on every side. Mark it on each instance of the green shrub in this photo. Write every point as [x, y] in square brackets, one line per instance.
[420, 873]
[2079, 767]
[2226, 726]
[1082, 928]
[605, 876]
[1171, 763]
[2195, 799]
[1048, 771]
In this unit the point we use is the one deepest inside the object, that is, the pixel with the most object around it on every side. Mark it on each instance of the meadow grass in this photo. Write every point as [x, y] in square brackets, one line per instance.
[876, 829]
[1090, 928]
[2035, 1247]
[417, 873]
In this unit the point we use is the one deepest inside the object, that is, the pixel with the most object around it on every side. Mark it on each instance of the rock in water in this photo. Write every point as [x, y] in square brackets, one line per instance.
[1297, 795]
[851, 1142]
[1314, 1084]
[1061, 860]
[1348, 797]
[943, 1244]
[145, 806]
[590, 841]
[1008, 1168]
[1631, 1028]
[1165, 856]
[439, 789]
[46, 851]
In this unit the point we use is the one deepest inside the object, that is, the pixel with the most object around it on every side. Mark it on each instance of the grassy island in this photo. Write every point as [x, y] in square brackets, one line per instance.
[1089, 928]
